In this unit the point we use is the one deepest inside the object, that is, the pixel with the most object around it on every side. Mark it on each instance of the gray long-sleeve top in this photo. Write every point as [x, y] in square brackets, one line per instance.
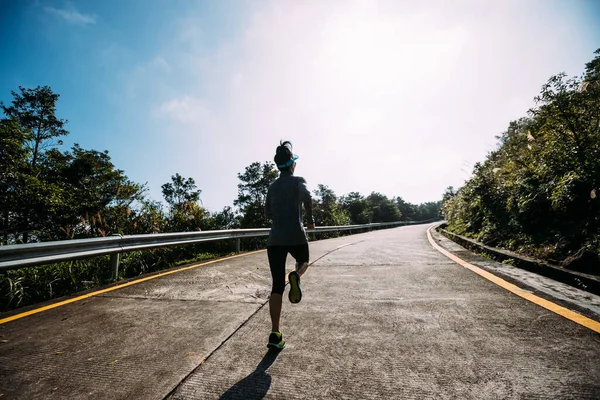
[284, 206]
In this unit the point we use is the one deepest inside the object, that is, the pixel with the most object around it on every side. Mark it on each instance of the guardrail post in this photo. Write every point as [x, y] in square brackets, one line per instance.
[237, 245]
[114, 264]
[115, 258]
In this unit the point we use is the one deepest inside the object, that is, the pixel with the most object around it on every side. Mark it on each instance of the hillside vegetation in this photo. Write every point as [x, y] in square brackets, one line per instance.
[539, 192]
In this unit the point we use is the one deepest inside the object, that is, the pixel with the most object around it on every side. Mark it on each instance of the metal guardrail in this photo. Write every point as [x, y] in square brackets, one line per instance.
[26, 255]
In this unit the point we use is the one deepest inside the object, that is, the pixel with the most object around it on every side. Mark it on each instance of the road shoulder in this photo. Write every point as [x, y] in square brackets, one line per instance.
[580, 301]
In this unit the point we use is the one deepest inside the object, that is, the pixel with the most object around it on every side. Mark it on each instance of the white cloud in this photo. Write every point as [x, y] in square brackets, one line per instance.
[161, 63]
[386, 96]
[186, 110]
[72, 16]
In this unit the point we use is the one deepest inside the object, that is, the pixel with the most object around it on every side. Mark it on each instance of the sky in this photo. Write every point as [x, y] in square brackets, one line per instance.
[398, 97]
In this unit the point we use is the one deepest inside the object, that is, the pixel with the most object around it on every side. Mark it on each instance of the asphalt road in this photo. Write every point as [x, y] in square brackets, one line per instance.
[384, 316]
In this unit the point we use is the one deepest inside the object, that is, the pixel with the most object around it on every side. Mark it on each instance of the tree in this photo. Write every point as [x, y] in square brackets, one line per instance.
[428, 210]
[12, 166]
[33, 111]
[408, 211]
[91, 197]
[326, 210]
[150, 218]
[226, 219]
[384, 209]
[180, 191]
[182, 195]
[357, 207]
[448, 194]
[252, 193]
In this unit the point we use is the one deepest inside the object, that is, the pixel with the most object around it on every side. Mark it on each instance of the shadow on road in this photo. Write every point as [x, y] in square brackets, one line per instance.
[257, 384]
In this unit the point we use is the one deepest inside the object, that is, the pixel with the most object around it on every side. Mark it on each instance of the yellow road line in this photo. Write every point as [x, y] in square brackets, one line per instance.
[555, 308]
[110, 289]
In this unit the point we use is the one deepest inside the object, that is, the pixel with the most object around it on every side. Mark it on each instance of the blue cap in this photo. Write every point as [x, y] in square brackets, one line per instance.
[290, 162]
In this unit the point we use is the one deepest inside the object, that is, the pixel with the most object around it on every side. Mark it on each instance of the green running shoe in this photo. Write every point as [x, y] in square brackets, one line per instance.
[295, 294]
[276, 341]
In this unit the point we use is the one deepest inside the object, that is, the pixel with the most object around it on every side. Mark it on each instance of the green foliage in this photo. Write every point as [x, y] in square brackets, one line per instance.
[327, 210]
[183, 196]
[448, 194]
[180, 191]
[378, 208]
[93, 198]
[537, 192]
[32, 115]
[509, 261]
[357, 208]
[383, 209]
[31, 285]
[225, 219]
[12, 167]
[252, 193]
[418, 212]
[34, 110]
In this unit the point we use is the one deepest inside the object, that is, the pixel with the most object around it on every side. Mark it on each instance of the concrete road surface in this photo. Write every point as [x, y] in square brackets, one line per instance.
[384, 315]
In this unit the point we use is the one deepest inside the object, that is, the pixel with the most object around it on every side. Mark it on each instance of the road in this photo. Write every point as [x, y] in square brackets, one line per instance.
[384, 315]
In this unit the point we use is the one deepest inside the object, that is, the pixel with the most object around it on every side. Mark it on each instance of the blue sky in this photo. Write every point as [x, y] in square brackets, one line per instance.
[390, 96]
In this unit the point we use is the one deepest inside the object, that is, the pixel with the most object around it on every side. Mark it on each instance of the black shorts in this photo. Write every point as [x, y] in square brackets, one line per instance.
[277, 257]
